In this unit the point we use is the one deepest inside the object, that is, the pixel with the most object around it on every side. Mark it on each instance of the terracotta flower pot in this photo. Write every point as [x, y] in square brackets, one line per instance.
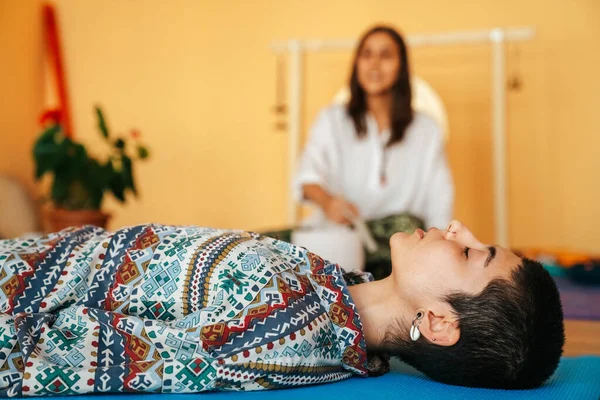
[59, 218]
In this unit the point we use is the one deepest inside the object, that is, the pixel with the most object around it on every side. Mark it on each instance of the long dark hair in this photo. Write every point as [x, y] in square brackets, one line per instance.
[401, 113]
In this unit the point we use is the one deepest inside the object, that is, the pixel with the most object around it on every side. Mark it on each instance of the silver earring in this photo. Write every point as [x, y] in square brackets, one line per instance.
[415, 334]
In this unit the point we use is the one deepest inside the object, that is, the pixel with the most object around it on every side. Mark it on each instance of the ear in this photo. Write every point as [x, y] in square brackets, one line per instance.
[440, 326]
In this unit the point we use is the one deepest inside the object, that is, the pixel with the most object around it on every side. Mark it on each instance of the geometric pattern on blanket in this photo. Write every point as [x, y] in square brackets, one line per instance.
[168, 309]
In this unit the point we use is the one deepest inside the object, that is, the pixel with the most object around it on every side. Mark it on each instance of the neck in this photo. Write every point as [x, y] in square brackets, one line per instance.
[382, 312]
[380, 106]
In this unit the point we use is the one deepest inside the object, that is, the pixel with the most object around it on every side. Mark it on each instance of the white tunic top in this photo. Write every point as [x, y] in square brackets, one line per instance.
[418, 180]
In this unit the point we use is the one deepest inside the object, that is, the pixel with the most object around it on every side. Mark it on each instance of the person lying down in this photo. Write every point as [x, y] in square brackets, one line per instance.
[188, 309]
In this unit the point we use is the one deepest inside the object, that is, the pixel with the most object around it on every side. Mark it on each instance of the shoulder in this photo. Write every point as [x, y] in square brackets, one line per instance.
[336, 111]
[423, 135]
[332, 124]
[426, 127]
[333, 114]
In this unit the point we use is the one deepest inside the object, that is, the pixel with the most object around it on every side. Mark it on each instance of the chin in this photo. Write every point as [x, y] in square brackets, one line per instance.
[376, 90]
[398, 238]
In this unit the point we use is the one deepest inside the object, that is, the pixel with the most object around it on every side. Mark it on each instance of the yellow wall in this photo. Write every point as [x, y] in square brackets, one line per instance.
[197, 77]
[21, 89]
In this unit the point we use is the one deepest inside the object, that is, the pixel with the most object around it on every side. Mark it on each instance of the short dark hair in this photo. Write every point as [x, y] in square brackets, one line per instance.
[511, 335]
[402, 112]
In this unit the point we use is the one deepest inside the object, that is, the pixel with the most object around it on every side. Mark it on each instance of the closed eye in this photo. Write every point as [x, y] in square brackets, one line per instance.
[466, 252]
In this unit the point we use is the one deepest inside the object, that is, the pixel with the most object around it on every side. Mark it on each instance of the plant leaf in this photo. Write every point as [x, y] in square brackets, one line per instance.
[143, 152]
[102, 122]
[60, 190]
[119, 144]
[116, 184]
[128, 174]
[46, 151]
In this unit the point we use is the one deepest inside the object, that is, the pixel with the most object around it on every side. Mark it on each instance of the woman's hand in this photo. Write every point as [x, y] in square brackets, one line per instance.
[336, 209]
[340, 211]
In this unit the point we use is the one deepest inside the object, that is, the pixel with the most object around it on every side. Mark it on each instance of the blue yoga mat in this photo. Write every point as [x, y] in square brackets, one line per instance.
[577, 378]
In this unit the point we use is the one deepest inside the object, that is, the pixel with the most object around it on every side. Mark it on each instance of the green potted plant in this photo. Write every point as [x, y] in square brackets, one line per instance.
[80, 180]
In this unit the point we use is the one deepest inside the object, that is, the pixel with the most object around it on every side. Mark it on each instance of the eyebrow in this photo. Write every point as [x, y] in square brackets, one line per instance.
[491, 256]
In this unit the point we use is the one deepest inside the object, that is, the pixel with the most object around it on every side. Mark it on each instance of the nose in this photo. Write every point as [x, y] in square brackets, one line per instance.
[459, 232]
[375, 59]
[435, 232]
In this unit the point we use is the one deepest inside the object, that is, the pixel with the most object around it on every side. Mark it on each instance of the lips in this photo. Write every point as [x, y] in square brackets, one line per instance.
[420, 233]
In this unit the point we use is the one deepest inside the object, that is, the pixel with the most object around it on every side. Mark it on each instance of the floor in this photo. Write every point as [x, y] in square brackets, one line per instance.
[583, 337]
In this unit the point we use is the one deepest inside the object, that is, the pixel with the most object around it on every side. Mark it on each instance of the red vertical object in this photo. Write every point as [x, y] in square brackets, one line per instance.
[53, 43]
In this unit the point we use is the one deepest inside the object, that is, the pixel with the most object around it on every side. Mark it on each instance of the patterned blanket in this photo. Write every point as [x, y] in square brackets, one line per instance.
[171, 309]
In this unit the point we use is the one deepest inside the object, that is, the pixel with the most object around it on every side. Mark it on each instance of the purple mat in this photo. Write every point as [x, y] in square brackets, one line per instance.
[579, 301]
